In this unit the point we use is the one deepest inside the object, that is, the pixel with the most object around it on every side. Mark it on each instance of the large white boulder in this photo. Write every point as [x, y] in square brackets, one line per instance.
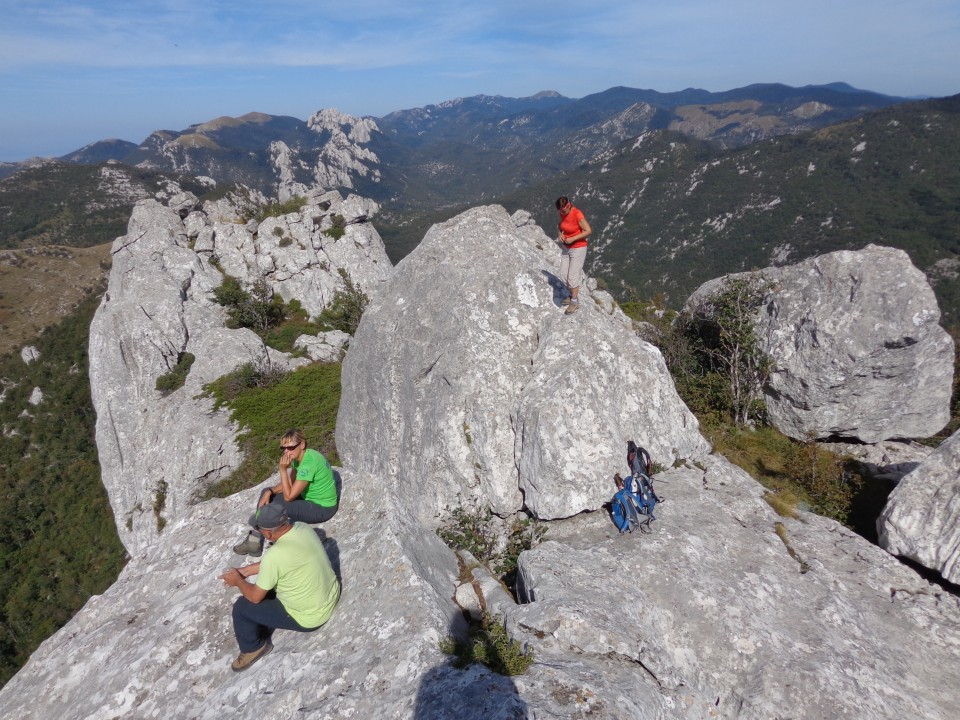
[467, 381]
[856, 347]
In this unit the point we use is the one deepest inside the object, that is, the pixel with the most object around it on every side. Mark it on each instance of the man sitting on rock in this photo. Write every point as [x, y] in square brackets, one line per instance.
[296, 588]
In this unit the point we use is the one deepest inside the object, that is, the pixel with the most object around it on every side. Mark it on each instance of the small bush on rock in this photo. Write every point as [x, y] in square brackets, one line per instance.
[489, 644]
[347, 308]
[177, 376]
[490, 539]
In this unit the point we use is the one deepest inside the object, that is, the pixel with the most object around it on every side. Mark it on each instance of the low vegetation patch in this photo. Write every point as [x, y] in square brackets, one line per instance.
[265, 403]
[175, 379]
[489, 644]
[276, 209]
[338, 228]
[346, 309]
[718, 372]
[490, 539]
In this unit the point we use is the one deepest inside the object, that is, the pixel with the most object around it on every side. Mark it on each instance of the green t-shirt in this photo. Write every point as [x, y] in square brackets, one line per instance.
[317, 473]
[297, 566]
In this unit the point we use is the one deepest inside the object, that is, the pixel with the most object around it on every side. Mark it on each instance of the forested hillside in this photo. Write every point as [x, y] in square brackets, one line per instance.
[58, 542]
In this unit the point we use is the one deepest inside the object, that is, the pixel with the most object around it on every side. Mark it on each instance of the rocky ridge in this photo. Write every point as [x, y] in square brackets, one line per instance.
[724, 610]
[159, 306]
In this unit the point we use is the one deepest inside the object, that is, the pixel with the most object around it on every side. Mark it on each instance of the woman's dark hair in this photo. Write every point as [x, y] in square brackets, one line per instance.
[562, 202]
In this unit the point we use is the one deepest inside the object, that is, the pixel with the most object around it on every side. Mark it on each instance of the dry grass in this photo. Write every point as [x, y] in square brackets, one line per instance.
[39, 286]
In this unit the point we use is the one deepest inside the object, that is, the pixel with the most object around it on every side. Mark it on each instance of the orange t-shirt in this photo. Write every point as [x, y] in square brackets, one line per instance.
[570, 225]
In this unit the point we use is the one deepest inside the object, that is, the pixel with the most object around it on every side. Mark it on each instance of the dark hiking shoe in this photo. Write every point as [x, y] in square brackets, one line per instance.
[252, 545]
[566, 301]
[245, 660]
[572, 308]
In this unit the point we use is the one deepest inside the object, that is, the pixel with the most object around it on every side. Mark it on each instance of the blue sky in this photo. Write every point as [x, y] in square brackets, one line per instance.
[76, 71]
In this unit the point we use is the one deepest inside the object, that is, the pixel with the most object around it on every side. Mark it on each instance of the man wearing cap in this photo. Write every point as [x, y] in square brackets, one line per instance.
[296, 588]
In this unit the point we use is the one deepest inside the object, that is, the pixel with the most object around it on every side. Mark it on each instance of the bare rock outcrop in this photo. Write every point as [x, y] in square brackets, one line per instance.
[725, 610]
[738, 613]
[466, 379]
[856, 347]
[921, 520]
[159, 308]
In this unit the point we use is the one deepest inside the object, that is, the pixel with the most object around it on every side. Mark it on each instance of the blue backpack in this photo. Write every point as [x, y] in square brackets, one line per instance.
[641, 488]
[627, 510]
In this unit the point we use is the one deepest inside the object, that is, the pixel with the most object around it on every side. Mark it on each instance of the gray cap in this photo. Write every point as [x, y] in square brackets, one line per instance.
[270, 516]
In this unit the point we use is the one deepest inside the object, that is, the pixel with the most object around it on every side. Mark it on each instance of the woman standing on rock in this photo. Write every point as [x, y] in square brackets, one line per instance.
[308, 494]
[574, 230]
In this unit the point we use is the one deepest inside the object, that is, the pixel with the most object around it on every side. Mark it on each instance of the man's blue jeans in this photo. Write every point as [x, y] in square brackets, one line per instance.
[254, 623]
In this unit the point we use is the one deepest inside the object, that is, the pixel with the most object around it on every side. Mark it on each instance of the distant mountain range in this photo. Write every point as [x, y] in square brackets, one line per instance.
[680, 186]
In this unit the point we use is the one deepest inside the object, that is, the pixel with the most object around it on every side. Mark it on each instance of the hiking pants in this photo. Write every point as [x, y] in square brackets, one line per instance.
[254, 623]
[305, 511]
[571, 266]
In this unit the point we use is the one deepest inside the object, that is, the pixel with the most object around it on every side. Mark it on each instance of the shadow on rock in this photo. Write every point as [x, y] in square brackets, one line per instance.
[559, 289]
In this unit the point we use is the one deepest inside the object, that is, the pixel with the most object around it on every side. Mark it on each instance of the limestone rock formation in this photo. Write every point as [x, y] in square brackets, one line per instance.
[718, 613]
[856, 347]
[921, 520]
[724, 610]
[729, 608]
[467, 381]
[159, 307]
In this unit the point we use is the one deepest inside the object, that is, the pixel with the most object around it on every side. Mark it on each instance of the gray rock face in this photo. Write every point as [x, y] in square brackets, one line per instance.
[724, 610]
[856, 346]
[709, 616]
[727, 610]
[921, 520]
[159, 642]
[467, 381]
[159, 306]
[299, 258]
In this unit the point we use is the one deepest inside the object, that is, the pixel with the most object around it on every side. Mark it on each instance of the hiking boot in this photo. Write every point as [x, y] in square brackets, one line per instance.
[252, 545]
[566, 301]
[245, 660]
[572, 308]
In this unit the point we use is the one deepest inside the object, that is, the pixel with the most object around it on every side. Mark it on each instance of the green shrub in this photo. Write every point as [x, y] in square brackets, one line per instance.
[489, 644]
[285, 335]
[159, 503]
[338, 228]
[470, 529]
[266, 406]
[177, 376]
[257, 309]
[346, 309]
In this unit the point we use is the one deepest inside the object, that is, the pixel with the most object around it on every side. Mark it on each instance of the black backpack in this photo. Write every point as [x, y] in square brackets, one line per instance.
[638, 460]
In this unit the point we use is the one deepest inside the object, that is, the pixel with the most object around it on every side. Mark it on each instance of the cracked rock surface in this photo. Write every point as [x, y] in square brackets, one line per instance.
[723, 610]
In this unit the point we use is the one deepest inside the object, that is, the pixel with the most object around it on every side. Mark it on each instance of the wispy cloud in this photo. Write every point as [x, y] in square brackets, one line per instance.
[373, 56]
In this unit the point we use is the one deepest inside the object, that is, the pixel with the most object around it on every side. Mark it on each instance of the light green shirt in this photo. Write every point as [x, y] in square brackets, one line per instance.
[297, 566]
